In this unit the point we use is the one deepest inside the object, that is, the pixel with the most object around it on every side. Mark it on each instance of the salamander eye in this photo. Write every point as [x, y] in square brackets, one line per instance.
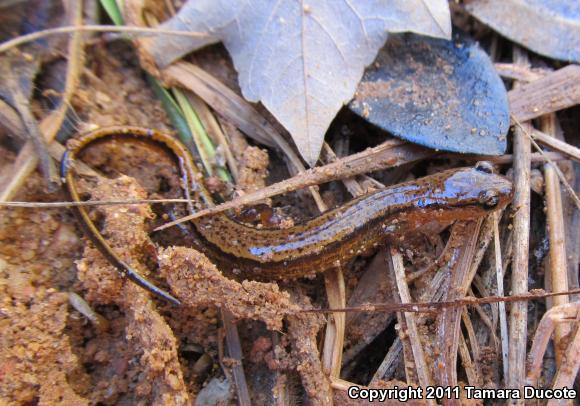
[489, 198]
[484, 166]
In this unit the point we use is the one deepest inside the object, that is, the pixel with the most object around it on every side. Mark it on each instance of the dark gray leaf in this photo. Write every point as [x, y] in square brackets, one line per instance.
[442, 94]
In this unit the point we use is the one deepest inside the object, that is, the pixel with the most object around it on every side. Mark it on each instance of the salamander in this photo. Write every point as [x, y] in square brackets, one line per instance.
[331, 239]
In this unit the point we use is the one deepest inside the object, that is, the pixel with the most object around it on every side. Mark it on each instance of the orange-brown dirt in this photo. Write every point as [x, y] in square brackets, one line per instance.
[138, 349]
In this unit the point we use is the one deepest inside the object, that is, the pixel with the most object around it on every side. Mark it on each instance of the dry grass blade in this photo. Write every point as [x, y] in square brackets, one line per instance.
[475, 350]
[341, 384]
[571, 363]
[226, 102]
[449, 321]
[558, 266]
[518, 332]
[26, 160]
[235, 352]
[518, 72]
[502, 313]
[470, 371]
[388, 366]
[560, 314]
[234, 108]
[215, 132]
[25, 164]
[526, 131]
[389, 154]
[32, 133]
[335, 328]
[49, 126]
[395, 263]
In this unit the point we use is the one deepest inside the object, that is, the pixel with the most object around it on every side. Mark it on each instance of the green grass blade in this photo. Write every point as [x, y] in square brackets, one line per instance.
[181, 114]
[113, 11]
[174, 113]
[205, 147]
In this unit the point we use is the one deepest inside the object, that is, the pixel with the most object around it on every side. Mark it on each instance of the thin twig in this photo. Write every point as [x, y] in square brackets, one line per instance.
[435, 307]
[52, 205]
[389, 154]
[23, 39]
[508, 159]
[569, 150]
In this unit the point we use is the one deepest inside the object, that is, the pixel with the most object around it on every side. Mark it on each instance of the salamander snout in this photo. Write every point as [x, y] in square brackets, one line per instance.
[495, 191]
[492, 196]
[484, 166]
[489, 198]
[477, 186]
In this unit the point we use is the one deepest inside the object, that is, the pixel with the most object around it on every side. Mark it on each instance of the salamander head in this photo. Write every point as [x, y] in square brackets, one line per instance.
[471, 192]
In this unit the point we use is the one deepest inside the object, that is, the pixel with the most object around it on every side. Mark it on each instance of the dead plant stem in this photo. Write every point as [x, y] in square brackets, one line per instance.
[49, 126]
[500, 292]
[561, 176]
[23, 39]
[558, 266]
[518, 320]
[395, 261]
